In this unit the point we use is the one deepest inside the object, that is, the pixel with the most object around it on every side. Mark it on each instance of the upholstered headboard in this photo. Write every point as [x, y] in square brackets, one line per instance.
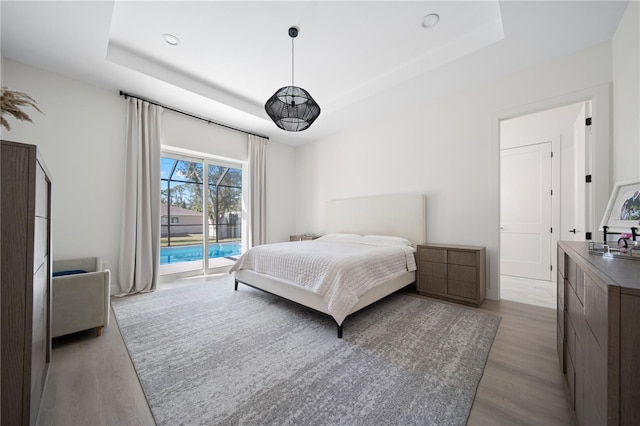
[403, 215]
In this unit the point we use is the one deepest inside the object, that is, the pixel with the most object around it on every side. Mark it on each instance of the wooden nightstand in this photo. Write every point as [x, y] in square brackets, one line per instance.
[303, 237]
[452, 272]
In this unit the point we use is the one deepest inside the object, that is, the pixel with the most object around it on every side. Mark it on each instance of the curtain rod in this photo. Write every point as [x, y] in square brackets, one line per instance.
[128, 95]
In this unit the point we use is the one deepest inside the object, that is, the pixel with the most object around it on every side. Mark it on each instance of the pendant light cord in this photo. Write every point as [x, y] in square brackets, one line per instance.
[292, 70]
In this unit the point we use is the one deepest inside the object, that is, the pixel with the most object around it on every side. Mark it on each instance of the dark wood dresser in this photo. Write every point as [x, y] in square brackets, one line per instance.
[25, 282]
[452, 272]
[599, 335]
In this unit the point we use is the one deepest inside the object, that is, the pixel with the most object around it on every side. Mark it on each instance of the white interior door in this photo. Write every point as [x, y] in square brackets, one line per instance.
[580, 193]
[525, 211]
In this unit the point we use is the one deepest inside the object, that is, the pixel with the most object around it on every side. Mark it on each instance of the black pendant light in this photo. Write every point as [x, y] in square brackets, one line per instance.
[292, 108]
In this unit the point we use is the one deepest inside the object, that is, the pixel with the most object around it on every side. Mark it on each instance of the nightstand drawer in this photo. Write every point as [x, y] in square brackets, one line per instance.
[467, 274]
[462, 289]
[433, 255]
[462, 258]
[433, 269]
[432, 284]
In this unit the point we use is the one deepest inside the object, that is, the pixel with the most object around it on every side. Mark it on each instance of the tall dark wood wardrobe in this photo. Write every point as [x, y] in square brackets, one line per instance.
[25, 282]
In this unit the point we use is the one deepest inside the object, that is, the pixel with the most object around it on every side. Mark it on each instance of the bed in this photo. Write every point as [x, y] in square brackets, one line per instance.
[332, 275]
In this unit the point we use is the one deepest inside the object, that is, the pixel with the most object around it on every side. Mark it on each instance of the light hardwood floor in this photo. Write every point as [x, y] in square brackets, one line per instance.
[92, 381]
[522, 382]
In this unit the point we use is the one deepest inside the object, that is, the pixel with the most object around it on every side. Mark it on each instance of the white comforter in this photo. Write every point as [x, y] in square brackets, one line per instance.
[340, 272]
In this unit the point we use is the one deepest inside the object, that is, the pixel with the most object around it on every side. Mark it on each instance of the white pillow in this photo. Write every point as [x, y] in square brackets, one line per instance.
[386, 240]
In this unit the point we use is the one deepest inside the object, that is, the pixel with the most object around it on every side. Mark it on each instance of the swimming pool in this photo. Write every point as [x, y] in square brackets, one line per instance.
[191, 253]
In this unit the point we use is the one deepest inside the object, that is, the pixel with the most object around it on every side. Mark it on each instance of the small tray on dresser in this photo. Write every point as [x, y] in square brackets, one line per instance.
[611, 249]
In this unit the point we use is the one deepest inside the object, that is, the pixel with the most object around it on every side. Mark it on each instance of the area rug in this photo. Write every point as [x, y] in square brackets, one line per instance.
[207, 355]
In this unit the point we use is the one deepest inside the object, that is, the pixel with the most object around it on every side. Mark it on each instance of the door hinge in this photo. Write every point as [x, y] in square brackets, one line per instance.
[552, 192]
[587, 178]
[587, 236]
[551, 267]
[551, 154]
[551, 230]
[588, 121]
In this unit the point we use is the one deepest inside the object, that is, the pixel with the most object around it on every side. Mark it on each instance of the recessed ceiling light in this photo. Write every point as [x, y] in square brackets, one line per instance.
[430, 20]
[171, 39]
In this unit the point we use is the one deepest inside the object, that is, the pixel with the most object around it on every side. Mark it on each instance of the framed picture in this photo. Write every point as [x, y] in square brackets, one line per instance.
[623, 210]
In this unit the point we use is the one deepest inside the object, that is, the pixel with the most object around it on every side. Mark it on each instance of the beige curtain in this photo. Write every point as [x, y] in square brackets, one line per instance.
[140, 238]
[257, 192]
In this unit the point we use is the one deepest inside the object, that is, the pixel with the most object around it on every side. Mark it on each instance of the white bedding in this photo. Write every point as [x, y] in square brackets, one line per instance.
[339, 268]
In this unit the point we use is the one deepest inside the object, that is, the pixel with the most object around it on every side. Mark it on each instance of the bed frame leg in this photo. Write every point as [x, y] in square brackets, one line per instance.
[339, 331]
[236, 285]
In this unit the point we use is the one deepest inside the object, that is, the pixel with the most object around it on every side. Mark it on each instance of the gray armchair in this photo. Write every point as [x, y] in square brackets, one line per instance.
[80, 299]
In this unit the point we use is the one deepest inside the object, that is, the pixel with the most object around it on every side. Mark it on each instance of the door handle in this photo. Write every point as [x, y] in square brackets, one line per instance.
[573, 230]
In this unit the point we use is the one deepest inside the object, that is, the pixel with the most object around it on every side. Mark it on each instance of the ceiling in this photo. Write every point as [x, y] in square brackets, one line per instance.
[360, 60]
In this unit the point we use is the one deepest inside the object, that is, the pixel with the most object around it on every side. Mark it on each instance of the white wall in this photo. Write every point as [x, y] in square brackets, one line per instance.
[82, 138]
[524, 130]
[280, 197]
[448, 149]
[626, 95]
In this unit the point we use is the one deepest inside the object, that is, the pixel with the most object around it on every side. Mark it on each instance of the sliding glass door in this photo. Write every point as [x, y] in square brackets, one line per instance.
[201, 207]
[224, 214]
